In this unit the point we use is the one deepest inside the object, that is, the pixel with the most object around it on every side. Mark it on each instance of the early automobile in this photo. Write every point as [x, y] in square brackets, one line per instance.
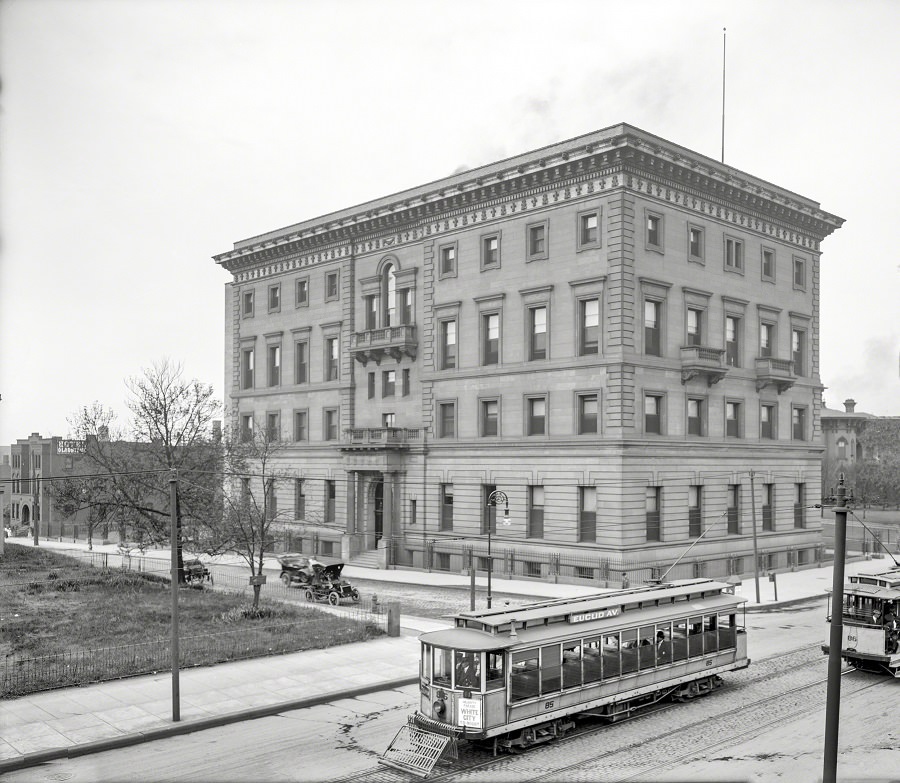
[296, 568]
[196, 572]
[327, 585]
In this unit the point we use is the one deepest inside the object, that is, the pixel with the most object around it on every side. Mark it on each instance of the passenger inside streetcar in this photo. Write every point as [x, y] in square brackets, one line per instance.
[467, 671]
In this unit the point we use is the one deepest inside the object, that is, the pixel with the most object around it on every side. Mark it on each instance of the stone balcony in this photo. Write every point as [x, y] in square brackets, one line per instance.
[380, 437]
[700, 360]
[774, 372]
[376, 344]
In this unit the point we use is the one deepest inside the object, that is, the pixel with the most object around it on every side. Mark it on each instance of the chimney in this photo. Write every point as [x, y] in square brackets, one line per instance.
[850, 405]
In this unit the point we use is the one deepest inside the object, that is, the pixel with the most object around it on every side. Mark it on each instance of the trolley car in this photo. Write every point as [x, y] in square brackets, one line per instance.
[870, 616]
[515, 677]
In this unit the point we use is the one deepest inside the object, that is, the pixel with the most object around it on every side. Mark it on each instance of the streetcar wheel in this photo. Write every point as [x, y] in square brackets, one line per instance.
[334, 599]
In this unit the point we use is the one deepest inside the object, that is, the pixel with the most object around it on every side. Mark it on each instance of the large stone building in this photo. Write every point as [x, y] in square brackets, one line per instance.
[618, 334]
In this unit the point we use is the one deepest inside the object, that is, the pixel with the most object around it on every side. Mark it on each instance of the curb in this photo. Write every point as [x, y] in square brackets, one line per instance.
[188, 727]
[774, 607]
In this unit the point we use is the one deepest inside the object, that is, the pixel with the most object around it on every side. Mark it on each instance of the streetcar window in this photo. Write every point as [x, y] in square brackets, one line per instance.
[679, 640]
[727, 631]
[550, 669]
[426, 662]
[710, 640]
[571, 665]
[495, 677]
[663, 643]
[591, 658]
[612, 661]
[468, 670]
[629, 650]
[646, 648]
[442, 666]
[524, 682]
[695, 637]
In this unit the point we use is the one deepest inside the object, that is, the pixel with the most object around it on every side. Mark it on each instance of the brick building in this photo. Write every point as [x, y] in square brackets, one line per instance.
[617, 333]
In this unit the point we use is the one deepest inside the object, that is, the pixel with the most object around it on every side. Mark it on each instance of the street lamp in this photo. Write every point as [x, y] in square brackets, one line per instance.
[495, 497]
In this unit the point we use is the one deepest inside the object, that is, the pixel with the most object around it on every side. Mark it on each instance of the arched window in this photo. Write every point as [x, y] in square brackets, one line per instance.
[389, 294]
[842, 452]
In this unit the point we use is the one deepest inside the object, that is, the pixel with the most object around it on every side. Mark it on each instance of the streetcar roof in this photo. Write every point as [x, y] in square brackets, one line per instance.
[872, 591]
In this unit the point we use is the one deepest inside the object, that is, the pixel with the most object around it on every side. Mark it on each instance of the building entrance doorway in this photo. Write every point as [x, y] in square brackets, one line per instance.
[378, 508]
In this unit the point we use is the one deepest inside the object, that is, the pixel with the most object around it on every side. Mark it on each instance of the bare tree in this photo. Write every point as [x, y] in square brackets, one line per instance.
[91, 494]
[250, 498]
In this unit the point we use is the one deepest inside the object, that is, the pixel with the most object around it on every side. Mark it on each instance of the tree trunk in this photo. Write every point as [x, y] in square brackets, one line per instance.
[256, 591]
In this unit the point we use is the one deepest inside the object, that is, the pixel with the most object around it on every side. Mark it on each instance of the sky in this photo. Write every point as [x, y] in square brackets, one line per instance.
[138, 138]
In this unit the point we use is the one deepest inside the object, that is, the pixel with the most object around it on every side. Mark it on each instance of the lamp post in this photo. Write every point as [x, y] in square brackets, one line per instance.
[497, 496]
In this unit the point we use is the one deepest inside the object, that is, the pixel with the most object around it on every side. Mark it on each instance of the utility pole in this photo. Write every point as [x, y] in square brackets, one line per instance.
[173, 541]
[836, 639]
[755, 550]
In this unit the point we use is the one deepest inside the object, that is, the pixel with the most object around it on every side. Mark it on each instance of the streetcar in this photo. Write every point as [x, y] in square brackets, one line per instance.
[870, 616]
[511, 678]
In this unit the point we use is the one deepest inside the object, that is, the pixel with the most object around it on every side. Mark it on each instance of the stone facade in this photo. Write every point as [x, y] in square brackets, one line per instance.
[595, 328]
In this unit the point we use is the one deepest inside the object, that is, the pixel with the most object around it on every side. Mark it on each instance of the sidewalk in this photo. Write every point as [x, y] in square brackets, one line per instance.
[94, 718]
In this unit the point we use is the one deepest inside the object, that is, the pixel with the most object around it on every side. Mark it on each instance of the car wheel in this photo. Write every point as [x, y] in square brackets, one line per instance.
[309, 595]
[355, 596]
[286, 580]
[334, 599]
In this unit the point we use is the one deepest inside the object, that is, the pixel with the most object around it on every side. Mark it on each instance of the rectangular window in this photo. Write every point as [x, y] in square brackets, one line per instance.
[447, 263]
[695, 511]
[767, 422]
[537, 416]
[589, 327]
[271, 501]
[588, 414]
[405, 382]
[490, 338]
[448, 345]
[447, 420]
[798, 422]
[800, 274]
[535, 512]
[388, 420]
[734, 254]
[732, 341]
[732, 509]
[768, 264]
[733, 419]
[653, 414]
[537, 241]
[274, 365]
[768, 507]
[654, 236]
[371, 304]
[490, 251]
[247, 368]
[404, 305]
[388, 383]
[798, 351]
[587, 514]
[490, 415]
[301, 292]
[537, 348]
[274, 298]
[489, 510]
[694, 326]
[332, 289]
[766, 339]
[246, 428]
[446, 507]
[273, 427]
[652, 341]
[331, 359]
[695, 243]
[370, 379]
[330, 497]
[247, 304]
[588, 230]
[652, 504]
[299, 499]
[799, 505]
[301, 427]
[695, 416]
[330, 424]
[301, 355]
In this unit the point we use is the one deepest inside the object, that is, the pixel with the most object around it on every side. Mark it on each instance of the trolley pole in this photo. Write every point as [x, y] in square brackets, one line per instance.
[833, 699]
[173, 538]
[497, 496]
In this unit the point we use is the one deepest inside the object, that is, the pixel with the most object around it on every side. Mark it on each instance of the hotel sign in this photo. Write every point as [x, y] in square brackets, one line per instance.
[71, 447]
[600, 614]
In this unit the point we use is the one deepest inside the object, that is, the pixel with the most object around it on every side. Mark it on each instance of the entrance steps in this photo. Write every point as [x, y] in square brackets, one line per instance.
[365, 559]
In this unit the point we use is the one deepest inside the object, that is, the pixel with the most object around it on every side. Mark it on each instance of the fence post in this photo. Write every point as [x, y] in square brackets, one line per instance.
[393, 618]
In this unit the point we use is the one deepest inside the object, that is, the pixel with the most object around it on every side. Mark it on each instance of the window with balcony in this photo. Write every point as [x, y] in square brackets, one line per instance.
[535, 522]
[588, 230]
[389, 420]
[798, 423]
[767, 419]
[588, 327]
[694, 326]
[301, 425]
[490, 338]
[331, 359]
[733, 420]
[330, 424]
[447, 420]
[247, 368]
[652, 327]
[301, 362]
[734, 254]
[371, 305]
[653, 513]
[537, 333]
[587, 515]
[447, 352]
[766, 339]
[733, 504]
[695, 511]
[537, 416]
[798, 351]
[490, 251]
[490, 418]
[274, 365]
[588, 418]
[768, 507]
[537, 241]
[653, 410]
[696, 416]
[768, 264]
[732, 341]
[247, 304]
[404, 306]
[446, 507]
[695, 244]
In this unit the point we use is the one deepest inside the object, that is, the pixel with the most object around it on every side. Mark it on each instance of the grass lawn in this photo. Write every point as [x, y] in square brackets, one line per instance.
[51, 604]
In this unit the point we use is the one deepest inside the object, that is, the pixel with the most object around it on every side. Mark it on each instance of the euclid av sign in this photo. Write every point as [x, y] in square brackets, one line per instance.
[599, 614]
